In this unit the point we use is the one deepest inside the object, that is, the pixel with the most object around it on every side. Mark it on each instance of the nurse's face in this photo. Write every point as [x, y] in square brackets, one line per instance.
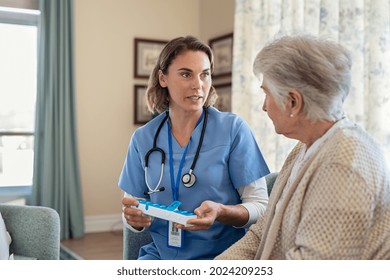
[188, 81]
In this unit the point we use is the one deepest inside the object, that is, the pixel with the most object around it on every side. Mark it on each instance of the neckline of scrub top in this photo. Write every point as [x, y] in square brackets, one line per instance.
[175, 184]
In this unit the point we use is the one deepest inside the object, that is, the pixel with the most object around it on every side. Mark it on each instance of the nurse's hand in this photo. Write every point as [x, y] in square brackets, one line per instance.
[134, 216]
[207, 213]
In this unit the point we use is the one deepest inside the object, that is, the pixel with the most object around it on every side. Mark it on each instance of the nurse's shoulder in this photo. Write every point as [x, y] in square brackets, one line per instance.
[226, 120]
[148, 130]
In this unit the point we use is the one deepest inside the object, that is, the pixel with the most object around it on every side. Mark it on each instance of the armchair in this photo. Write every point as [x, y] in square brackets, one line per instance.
[35, 231]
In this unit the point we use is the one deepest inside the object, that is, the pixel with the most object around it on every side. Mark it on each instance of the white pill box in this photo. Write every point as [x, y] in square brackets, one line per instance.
[169, 213]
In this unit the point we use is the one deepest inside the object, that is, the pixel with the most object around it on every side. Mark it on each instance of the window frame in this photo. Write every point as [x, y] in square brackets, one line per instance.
[19, 16]
[26, 17]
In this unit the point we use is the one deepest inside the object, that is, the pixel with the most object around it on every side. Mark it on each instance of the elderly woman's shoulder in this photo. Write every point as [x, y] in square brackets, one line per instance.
[354, 144]
[355, 134]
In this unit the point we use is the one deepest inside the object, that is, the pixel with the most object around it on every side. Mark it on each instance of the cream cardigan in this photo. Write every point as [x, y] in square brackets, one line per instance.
[338, 206]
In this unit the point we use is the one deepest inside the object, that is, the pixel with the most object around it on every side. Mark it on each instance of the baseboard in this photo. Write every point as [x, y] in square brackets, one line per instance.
[67, 254]
[103, 223]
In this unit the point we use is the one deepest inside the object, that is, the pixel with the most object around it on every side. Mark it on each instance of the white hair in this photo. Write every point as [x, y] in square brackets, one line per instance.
[319, 69]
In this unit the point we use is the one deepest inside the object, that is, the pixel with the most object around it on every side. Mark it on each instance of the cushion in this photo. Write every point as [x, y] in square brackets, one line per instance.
[5, 240]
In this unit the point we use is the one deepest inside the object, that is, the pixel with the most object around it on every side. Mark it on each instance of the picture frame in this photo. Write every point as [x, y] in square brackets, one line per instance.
[222, 48]
[146, 52]
[224, 100]
[141, 113]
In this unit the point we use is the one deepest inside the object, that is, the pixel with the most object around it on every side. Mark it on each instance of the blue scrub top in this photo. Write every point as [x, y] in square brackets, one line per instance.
[229, 159]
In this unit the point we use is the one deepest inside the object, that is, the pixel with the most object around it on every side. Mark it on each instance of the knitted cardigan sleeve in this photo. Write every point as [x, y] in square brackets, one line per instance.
[246, 247]
[336, 216]
[341, 207]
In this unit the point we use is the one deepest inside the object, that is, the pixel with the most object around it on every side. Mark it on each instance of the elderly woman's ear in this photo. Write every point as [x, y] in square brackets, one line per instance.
[295, 102]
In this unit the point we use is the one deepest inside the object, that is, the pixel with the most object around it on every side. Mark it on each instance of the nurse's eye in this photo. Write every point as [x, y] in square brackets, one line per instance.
[205, 74]
[185, 74]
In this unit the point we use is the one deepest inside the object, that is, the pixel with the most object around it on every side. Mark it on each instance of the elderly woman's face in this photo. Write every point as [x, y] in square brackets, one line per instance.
[279, 117]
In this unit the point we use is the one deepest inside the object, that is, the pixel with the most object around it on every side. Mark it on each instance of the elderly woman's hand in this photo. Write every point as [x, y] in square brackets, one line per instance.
[207, 213]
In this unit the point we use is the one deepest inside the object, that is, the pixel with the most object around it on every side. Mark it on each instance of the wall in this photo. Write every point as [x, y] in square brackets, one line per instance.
[216, 18]
[104, 33]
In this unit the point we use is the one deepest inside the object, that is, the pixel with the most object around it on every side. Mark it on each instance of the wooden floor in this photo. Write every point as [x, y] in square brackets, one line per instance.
[97, 246]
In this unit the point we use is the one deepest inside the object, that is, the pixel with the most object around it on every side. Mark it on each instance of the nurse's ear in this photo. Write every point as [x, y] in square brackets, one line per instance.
[162, 79]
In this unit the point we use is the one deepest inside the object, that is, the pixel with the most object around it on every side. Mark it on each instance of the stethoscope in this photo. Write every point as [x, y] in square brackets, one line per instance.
[189, 178]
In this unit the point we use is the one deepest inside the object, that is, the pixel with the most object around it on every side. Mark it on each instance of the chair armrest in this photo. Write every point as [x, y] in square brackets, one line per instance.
[270, 180]
[133, 241]
[35, 231]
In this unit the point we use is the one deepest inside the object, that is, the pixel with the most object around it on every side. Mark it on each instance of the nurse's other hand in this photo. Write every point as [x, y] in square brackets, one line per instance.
[134, 216]
[207, 213]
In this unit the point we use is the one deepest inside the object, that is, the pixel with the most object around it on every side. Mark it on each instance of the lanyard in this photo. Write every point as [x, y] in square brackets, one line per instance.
[175, 184]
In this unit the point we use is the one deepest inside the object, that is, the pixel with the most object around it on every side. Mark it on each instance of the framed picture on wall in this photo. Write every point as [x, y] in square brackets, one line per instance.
[224, 101]
[141, 113]
[223, 55]
[146, 52]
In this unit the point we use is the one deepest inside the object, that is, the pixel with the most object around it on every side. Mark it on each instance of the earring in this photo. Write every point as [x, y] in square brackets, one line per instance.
[291, 115]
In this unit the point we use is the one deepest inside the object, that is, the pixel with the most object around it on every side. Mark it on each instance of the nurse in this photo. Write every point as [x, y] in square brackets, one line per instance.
[212, 165]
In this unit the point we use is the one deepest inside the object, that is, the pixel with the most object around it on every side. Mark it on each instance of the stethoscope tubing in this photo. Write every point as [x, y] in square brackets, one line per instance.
[161, 151]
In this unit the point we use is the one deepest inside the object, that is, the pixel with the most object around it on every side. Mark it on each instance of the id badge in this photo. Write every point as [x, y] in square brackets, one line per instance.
[175, 236]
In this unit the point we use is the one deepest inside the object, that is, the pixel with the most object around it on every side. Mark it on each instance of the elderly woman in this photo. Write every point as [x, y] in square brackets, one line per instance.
[331, 199]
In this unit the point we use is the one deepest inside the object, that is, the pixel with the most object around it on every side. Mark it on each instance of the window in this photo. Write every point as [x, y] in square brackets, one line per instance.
[18, 82]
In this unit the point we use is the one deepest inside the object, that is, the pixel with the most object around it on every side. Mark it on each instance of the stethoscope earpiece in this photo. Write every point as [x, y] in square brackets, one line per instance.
[161, 189]
[188, 180]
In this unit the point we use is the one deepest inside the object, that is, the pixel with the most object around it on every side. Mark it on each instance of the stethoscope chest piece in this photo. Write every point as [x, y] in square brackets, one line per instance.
[188, 180]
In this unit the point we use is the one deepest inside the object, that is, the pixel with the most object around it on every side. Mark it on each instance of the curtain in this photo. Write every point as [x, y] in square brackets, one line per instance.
[56, 181]
[362, 26]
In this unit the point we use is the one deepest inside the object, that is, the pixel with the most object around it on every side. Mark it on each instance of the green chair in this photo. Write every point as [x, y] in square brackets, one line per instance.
[35, 231]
